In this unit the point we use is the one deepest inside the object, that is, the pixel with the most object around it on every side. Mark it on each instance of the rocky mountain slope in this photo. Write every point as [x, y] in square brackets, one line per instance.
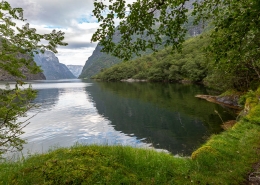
[52, 68]
[75, 69]
[96, 62]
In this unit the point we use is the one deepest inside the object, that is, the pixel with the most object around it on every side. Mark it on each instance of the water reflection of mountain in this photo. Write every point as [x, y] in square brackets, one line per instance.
[167, 115]
[47, 98]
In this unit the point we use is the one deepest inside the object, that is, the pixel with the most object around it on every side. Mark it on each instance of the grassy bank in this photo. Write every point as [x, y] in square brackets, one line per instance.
[226, 158]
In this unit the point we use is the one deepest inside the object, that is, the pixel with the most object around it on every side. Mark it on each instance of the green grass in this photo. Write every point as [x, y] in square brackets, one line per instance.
[226, 158]
[95, 165]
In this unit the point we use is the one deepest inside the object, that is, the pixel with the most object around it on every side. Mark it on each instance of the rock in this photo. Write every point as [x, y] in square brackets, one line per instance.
[186, 81]
[231, 100]
[228, 101]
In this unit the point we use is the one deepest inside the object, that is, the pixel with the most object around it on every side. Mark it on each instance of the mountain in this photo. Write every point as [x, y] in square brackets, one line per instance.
[96, 62]
[75, 69]
[99, 60]
[52, 68]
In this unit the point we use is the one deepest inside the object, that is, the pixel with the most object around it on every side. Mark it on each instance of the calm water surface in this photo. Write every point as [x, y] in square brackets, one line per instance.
[164, 116]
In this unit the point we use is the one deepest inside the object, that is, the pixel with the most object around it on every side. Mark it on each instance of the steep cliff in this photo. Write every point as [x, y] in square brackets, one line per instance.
[75, 69]
[96, 62]
[52, 68]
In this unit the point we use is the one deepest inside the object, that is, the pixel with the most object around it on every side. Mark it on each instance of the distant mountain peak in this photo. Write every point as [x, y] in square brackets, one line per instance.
[75, 69]
[52, 68]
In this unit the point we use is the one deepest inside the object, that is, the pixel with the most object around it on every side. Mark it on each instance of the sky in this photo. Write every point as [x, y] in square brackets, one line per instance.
[70, 16]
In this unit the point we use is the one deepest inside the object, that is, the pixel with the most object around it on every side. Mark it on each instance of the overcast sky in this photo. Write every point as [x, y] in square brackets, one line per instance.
[71, 16]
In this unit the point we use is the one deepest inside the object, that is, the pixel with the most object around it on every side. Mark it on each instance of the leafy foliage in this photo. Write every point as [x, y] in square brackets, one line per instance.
[16, 42]
[234, 44]
[17, 45]
[139, 19]
[14, 103]
[101, 60]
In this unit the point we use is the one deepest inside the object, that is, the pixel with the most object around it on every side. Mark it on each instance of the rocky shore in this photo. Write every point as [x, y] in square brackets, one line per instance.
[228, 101]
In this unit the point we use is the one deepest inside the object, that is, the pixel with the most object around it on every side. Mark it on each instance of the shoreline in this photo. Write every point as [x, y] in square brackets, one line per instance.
[231, 157]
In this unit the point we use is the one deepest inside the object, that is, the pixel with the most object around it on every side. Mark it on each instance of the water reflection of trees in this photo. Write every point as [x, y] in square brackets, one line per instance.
[167, 115]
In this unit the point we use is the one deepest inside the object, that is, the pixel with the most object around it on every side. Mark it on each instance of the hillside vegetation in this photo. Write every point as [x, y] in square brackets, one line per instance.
[191, 65]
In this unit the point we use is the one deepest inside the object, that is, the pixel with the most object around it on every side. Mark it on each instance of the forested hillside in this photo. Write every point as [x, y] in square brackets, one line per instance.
[100, 60]
[193, 64]
[190, 65]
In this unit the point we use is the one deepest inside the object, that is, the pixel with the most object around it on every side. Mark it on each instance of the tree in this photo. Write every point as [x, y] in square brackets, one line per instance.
[235, 45]
[235, 40]
[14, 104]
[17, 46]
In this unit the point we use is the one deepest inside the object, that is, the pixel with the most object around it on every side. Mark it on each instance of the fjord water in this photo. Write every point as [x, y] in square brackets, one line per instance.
[160, 115]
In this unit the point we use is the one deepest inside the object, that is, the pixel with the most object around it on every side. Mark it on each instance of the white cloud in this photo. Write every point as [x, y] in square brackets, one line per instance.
[70, 16]
[54, 12]
[74, 17]
[74, 56]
